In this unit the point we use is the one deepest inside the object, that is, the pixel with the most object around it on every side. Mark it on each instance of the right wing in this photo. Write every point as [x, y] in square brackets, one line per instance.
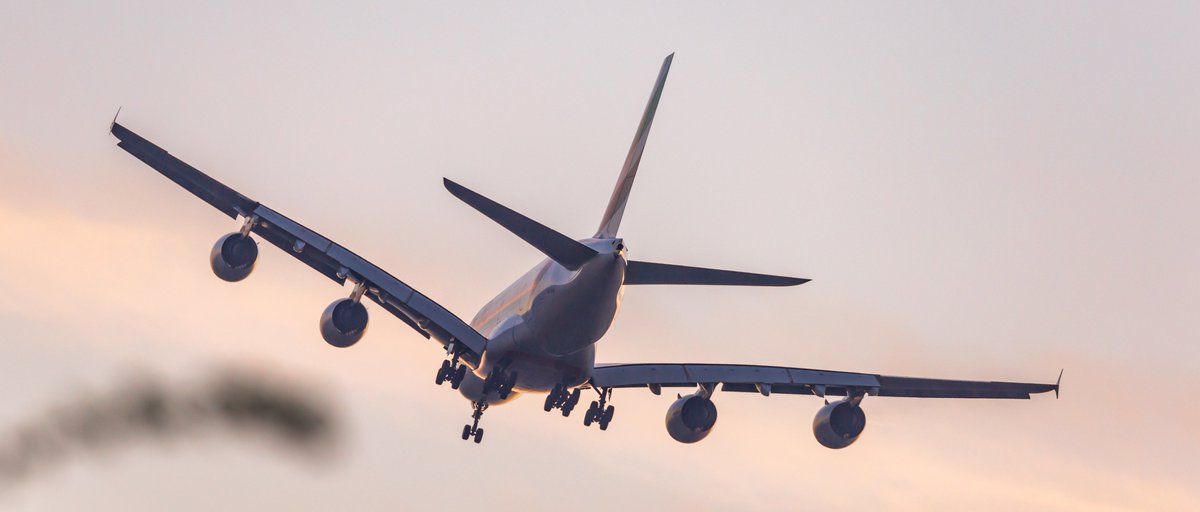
[330, 259]
[803, 381]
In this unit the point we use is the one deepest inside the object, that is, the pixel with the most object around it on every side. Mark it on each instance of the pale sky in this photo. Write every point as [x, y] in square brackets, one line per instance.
[978, 191]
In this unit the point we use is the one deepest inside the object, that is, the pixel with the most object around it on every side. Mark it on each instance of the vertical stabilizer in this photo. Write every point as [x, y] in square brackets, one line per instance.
[616, 205]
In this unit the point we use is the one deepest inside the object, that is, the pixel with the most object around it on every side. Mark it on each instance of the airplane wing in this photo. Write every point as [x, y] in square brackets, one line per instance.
[330, 259]
[802, 381]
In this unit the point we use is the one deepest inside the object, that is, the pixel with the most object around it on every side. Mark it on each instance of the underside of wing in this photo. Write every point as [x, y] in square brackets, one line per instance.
[803, 381]
[837, 423]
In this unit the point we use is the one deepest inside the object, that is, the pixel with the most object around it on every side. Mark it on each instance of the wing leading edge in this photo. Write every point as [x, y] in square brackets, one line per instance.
[803, 381]
[330, 259]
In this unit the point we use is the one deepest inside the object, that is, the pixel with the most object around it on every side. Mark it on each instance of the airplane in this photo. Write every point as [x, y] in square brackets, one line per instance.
[539, 335]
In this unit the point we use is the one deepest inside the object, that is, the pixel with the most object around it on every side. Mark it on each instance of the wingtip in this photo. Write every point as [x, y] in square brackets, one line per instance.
[1058, 382]
[113, 124]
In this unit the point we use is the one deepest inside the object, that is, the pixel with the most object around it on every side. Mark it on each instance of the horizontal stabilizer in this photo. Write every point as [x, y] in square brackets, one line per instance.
[641, 272]
[557, 246]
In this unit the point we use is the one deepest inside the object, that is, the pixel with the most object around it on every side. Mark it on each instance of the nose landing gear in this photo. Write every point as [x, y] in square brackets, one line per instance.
[473, 429]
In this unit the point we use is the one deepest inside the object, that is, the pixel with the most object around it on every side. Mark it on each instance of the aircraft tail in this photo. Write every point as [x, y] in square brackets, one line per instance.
[557, 246]
[641, 272]
[620, 195]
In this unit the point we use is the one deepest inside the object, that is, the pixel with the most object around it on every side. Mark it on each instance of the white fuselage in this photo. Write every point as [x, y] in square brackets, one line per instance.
[544, 326]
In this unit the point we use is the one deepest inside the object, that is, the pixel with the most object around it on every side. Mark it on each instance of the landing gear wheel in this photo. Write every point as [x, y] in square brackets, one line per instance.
[442, 373]
[506, 387]
[457, 378]
[591, 414]
[478, 435]
[466, 432]
[606, 417]
[574, 399]
[570, 402]
[549, 402]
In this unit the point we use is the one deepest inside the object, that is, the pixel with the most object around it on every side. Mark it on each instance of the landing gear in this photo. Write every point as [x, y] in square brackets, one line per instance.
[599, 411]
[473, 430]
[501, 382]
[452, 371]
[560, 398]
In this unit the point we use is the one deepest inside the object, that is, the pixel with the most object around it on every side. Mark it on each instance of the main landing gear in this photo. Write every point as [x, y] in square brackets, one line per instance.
[598, 412]
[452, 371]
[501, 382]
[473, 429]
[560, 398]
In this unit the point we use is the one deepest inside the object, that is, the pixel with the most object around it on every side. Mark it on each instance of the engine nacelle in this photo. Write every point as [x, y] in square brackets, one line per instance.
[233, 257]
[691, 418]
[839, 423]
[344, 322]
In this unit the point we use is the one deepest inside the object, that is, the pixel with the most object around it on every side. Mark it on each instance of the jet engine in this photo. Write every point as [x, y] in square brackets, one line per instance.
[233, 257]
[344, 322]
[838, 424]
[691, 418]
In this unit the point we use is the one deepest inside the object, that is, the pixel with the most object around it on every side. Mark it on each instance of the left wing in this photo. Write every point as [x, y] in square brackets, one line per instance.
[330, 259]
[802, 381]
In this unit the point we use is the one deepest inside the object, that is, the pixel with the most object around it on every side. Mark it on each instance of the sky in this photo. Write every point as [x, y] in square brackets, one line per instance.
[977, 190]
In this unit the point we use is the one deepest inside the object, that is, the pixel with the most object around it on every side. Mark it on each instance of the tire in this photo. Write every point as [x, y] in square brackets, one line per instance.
[466, 432]
[442, 373]
[549, 403]
[591, 415]
[608, 414]
[478, 435]
[456, 380]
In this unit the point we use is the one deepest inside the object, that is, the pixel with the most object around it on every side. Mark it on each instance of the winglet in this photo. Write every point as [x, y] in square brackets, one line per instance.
[114, 121]
[1057, 382]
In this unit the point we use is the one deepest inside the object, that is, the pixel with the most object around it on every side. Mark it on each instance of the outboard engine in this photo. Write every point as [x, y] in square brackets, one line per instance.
[691, 418]
[233, 257]
[838, 424]
[344, 322]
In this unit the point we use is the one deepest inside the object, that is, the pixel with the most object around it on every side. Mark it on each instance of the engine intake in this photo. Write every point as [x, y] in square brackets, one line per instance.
[233, 257]
[838, 424]
[344, 322]
[691, 418]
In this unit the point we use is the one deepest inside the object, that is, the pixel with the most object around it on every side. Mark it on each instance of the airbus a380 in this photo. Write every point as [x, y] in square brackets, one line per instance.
[539, 335]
